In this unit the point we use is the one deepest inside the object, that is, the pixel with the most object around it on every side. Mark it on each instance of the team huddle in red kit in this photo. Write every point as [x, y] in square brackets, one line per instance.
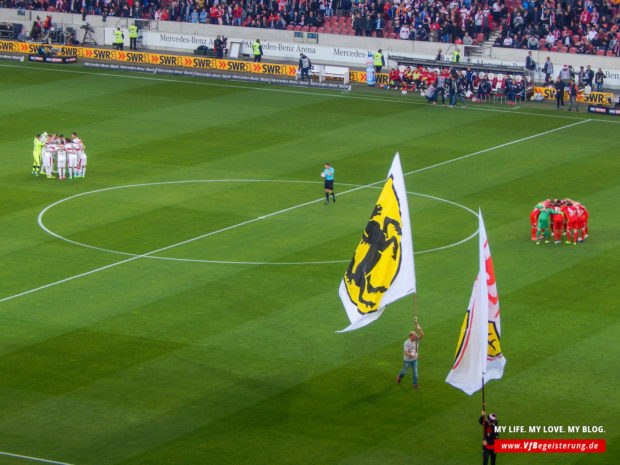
[557, 218]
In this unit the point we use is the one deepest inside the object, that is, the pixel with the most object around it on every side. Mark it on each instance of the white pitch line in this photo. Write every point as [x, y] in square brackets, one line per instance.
[233, 262]
[36, 459]
[348, 95]
[473, 154]
[228, 228]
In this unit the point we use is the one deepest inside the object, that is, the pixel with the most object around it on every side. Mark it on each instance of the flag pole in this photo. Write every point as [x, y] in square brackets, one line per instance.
[415, 306]
[483, 409]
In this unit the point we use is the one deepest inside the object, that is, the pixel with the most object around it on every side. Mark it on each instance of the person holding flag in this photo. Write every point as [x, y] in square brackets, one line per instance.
[411, 355]
[489, 424]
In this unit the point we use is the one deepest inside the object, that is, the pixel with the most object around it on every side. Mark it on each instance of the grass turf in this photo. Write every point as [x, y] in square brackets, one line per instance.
[153, 361]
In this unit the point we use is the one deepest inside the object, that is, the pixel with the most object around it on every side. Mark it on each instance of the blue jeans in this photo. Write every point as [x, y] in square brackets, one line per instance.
[599, 87]
[414, 367]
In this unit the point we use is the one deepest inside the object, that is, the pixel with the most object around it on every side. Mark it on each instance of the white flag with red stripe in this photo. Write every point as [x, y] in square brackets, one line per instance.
[478, 353]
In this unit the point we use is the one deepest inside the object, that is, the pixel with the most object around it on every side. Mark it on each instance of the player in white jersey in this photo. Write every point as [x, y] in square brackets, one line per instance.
[71, 148]
[51, 148]
[81, 168]
[61, 158]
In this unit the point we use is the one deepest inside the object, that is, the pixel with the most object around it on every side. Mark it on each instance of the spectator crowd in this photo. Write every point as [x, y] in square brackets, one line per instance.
[581, 26]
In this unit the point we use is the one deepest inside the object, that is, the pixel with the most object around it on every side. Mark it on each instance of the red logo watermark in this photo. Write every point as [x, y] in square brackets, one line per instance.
[553, 446]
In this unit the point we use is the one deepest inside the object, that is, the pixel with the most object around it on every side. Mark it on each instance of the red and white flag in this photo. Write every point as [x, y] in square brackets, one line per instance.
[479, 355]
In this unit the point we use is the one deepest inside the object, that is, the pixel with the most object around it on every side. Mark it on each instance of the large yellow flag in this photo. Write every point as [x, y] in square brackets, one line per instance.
[382, 269]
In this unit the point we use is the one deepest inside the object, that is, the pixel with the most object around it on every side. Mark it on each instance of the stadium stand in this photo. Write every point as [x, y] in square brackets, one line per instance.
[571, 26]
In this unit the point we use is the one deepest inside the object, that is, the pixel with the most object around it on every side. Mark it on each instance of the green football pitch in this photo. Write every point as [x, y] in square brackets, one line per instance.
[179, 304]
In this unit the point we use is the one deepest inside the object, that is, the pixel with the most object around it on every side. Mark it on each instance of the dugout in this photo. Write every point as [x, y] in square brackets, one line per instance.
[489, 69]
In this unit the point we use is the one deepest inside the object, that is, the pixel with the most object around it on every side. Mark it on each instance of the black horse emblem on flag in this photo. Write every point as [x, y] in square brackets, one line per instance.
[377, 259]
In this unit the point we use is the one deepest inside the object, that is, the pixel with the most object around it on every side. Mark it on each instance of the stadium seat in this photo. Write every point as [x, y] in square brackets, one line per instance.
[572, 50]
[393, 35]
[320, 29]
[564, 49]
[305, 29]
[601, 53]
[290, 27]
[554, 48]
[610, 53]
[297, 28]
[313, 29]
[576, 38]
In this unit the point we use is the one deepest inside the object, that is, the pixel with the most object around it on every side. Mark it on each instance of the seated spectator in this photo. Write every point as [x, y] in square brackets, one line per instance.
[532, 43]
[404, 32]
[549, 39]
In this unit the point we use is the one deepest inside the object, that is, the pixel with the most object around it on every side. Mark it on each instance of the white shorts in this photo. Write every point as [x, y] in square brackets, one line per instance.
[45, 158]
[72, 160]
[61, 159]
[82, 158]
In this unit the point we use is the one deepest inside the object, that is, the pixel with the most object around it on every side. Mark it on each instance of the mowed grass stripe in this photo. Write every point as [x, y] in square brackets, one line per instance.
[331, 398]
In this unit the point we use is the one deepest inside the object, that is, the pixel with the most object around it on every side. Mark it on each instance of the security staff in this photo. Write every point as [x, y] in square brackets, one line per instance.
[456, 56]
[258, 51]
[378, 61]
[133, 36]
[119, 38]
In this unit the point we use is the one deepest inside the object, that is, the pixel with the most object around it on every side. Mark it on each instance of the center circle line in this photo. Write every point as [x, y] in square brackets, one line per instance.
[232, 262]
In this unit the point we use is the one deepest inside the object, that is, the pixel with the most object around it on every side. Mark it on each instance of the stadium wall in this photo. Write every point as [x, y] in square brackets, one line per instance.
[281, 45]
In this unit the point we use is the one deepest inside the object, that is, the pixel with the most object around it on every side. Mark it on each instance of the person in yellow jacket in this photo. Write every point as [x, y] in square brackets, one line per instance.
[39, 143]
[416, 78]
[456, 56]
[133, 37]
[257, 49]
[119, 38]
[378, 61]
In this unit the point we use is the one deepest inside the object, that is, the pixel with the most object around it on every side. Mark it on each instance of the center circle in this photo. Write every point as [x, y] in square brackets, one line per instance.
[354, 187]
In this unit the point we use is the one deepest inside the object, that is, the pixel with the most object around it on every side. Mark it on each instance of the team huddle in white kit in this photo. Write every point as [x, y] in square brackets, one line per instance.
[60, 155]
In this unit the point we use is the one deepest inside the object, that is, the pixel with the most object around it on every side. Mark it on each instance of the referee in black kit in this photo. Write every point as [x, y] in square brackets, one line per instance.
[328, 174]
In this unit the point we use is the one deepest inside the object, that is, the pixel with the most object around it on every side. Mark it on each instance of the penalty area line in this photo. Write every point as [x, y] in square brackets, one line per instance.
[35, 459]
[269, 215]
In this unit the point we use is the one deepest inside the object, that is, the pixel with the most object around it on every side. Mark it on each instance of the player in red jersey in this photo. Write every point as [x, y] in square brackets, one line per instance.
[557, 220]
[570, 211]
[586, 215]
[581, 222]
[534, 221]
